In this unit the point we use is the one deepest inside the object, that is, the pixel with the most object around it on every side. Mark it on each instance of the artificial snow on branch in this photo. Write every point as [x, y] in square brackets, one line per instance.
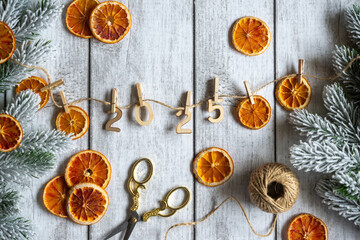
[352, 18]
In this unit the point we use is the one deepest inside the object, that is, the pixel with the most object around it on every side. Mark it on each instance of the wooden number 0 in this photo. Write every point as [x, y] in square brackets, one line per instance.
[108, 126]
[188, 116]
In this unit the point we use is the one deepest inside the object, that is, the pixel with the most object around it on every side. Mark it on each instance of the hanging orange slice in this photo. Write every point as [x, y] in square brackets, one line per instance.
[307, 227]
[88, 166]
[54, 196]
[254, 116]
[251, 36]
[77, 17]
[293, 95]
[87, 203]
[110, 21]
[7, 42]
[11, 133]
[35, 84]
[213, 167]
[76, 122]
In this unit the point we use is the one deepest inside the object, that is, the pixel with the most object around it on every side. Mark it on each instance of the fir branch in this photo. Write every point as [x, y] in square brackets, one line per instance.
[324, 156]
[8, 201]
[36, 18]
[16, 167]
[351, 77]
[27, 53]
[352, 18]
[23, 107]
[343, 112]
[52, 141]
[347, 208]
[11, 11]
[348, 183]
[12, 228]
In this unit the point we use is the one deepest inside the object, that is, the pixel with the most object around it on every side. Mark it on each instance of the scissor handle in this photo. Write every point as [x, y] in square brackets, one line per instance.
[186, 201]
[150, 172]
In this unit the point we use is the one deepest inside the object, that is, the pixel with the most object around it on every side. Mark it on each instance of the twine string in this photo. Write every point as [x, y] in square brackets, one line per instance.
[217, 208]
[182, 108]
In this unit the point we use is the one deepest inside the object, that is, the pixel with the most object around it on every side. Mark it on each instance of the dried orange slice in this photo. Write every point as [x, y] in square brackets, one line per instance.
[254, 116]
[251, 36]
[87, 203]
[293, 95]
[110, 21]
[77, 17]
[11, 133]
[307, 226]
[88, 166]
[35, 84]
[213, 167]
[76, 122]
[54, 196]
[7, 42]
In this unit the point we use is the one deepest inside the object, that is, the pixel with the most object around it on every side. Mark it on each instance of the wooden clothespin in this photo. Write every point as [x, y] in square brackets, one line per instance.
[216, 99]
[64, 102]
[248, 91]
[188, 116]
[114, 100]
[216, 91]
[139, 92]
[300, 70]
[52, 85]
[140, 105]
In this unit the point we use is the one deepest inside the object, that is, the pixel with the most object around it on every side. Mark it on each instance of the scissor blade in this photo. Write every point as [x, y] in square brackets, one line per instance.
[118, 229]
[129, 230]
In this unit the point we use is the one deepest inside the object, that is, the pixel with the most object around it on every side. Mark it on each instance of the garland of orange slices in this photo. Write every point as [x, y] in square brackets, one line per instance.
[80, 194]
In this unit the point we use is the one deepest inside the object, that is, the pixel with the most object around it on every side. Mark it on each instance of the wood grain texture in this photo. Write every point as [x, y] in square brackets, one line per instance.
[157, 53]
[311, 36]
[215, 56]
[174, 47]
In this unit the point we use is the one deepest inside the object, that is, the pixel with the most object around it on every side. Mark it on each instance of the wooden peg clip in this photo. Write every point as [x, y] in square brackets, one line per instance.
[114, 100]
[188, 116]
[139, 92]
[300, 69]
[52, 85]
[215, 100]
[64, 102]
[140, 105]
[216, 90]
[249, 93]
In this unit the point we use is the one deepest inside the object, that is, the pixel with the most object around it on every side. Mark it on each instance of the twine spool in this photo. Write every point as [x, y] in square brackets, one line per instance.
[273, 188]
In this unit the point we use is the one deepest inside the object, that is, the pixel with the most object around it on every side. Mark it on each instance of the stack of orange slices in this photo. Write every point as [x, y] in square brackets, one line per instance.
[80, 194]
[108, 22]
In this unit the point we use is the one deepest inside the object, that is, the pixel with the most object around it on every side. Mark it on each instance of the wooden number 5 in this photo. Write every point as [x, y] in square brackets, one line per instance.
[108, 126]
[188, 116]
[213, 107]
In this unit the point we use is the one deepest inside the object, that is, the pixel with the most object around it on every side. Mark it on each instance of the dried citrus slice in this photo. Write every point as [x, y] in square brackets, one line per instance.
[35, 84]
[88, 166]
[293, 95]
[87, 203]
[213, 167]
[11, 133]
[75, 122]
[254, 116]
[54, 196]
[77, 17]
[7, 42]
[110, 21]
[251, 36]
[307, 226]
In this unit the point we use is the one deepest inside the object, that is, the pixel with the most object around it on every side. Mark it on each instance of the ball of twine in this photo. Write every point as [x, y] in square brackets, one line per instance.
[273, 188]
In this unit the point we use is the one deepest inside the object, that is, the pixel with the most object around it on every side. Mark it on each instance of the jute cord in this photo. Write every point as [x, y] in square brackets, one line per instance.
[181, 108]
[217, 208]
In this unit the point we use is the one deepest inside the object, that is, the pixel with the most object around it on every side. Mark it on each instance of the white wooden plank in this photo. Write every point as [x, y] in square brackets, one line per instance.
[215, 56]
[68, 60]
[158, 53]
[308, 29]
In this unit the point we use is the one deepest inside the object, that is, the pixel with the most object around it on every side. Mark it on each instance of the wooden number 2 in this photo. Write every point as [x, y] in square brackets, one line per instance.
[188, 116]
[108, 126]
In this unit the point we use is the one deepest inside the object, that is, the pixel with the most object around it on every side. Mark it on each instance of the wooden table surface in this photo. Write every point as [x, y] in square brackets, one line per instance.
[174, 47]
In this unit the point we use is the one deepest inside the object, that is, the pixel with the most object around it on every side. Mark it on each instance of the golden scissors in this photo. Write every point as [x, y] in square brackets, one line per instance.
[133, 187]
